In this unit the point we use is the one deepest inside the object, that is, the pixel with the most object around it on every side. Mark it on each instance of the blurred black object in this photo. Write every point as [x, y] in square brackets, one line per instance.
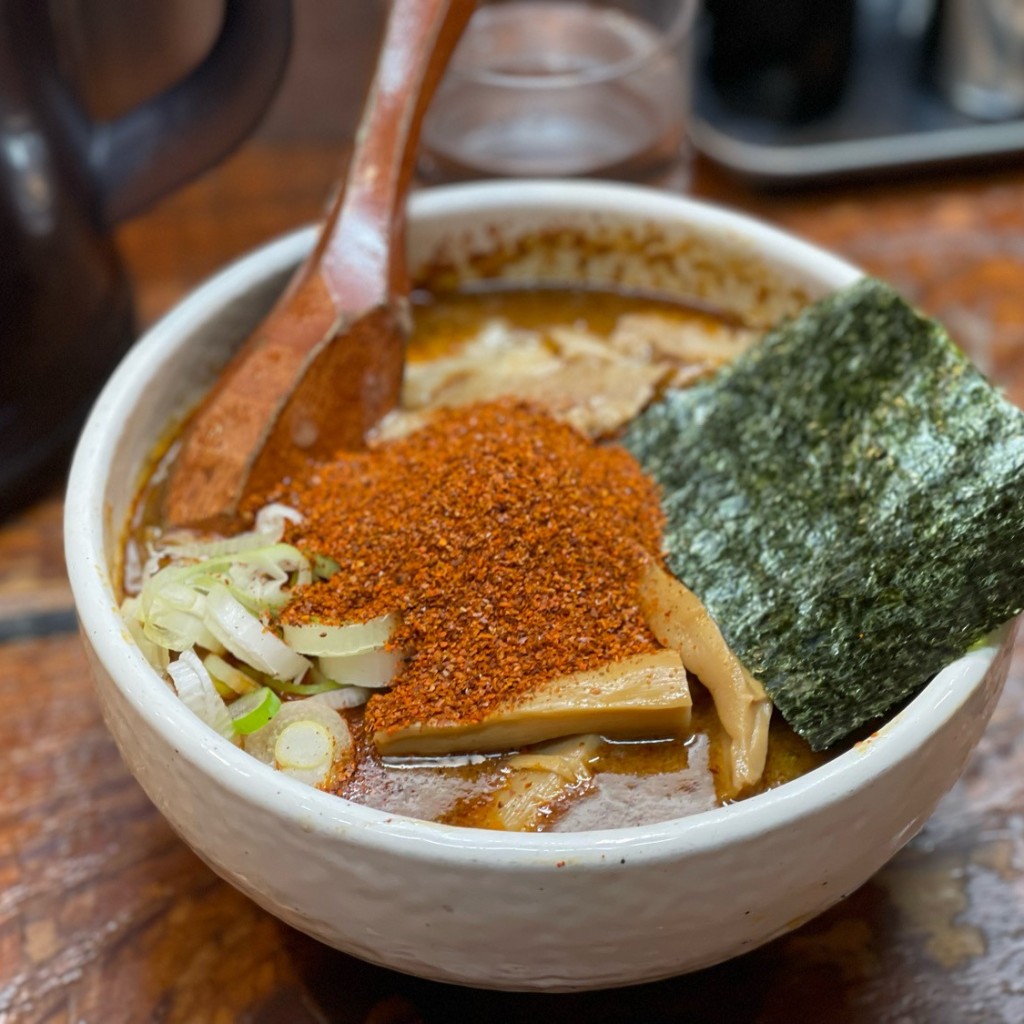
[788, 60]
[65, 303]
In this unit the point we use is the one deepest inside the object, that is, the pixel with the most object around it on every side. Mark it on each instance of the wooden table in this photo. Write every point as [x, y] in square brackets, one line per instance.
[106, 917]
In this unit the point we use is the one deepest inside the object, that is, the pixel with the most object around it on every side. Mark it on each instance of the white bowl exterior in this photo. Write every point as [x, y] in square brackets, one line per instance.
[548, 912]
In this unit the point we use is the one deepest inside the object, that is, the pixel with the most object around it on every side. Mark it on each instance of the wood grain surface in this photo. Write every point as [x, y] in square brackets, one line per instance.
[106, 917]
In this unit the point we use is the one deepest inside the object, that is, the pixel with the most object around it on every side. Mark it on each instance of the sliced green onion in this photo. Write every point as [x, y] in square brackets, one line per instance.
[195, 688]
[223, 689]
[374, 668]
[157, 655]
[261, 578]
[303, 745]
[254, 710]
[324, 567]
[265, 577]
[172, 606]
[335, 641]
[322, 685]
[173, 618]
[343, 697]
[308, 754]
[190, 544]
[271, 519]
[247, 638]
[234, 679]
[187, 545]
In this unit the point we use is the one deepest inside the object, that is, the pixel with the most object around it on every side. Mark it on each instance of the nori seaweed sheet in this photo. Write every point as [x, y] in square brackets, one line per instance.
[848, 501]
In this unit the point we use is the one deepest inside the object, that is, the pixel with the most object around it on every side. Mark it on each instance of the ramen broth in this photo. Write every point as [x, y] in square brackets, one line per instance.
[630, 782]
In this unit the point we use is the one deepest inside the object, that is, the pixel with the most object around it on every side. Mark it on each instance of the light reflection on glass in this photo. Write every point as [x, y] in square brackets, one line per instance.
[26, 155]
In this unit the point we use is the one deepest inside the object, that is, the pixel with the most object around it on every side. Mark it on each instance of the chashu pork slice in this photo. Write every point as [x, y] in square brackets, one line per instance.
[639, 697]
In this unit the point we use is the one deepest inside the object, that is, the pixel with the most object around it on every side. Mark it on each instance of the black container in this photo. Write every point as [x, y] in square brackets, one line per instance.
[782, 60]
[65, 302]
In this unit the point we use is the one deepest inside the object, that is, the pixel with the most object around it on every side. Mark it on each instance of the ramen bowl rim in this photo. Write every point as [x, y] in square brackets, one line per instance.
[302, 807]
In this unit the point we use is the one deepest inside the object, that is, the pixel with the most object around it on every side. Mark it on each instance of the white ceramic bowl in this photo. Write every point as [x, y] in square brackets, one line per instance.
[548, 911]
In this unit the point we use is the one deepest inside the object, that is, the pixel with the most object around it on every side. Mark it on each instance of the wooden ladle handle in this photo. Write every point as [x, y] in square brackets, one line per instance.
[418, 42]
[326, 363]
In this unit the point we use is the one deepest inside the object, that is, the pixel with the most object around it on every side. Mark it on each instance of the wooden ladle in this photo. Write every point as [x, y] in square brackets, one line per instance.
[326, 363]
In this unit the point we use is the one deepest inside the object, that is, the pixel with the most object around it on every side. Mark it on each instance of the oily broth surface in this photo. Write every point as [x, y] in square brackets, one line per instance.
[442, 322]
[633, 783]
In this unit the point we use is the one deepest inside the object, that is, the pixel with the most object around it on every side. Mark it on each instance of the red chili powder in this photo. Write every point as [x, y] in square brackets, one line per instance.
[510, 544]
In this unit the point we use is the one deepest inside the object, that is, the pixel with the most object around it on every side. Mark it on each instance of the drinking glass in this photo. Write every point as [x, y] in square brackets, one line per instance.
[558, 88]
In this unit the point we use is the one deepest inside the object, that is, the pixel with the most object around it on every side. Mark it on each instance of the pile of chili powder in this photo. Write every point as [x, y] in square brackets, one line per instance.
[510, 544]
